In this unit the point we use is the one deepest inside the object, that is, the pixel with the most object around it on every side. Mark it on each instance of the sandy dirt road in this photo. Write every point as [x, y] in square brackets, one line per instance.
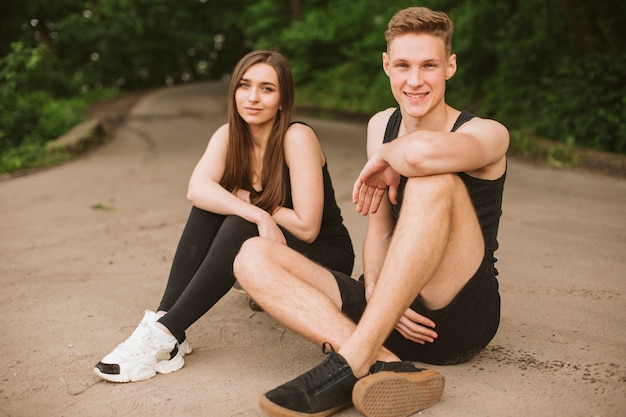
[86, 247]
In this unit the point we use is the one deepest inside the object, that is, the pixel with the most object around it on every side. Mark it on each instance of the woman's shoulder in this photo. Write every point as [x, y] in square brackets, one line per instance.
[221, 132]
[299, 131]
[301, 143]
[300, 126]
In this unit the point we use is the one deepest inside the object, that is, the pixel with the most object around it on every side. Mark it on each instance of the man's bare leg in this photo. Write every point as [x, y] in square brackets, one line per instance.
[436, 248]
[439, 227]
[299, 293]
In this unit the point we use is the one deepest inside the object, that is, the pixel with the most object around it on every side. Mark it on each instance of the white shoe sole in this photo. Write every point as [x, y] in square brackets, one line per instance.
[143, 372]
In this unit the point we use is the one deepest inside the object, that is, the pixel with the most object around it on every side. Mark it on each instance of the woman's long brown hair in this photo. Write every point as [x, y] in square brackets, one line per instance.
[238, 171]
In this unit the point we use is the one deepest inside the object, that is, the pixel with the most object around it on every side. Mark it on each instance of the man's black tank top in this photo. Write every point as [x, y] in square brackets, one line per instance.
[486, 195]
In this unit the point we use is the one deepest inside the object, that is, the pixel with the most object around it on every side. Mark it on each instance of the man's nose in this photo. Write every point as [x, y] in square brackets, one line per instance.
[415, 78]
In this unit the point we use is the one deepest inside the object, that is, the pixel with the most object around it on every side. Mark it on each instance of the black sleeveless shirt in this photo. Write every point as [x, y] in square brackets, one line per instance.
[486, 195]
[332, 228]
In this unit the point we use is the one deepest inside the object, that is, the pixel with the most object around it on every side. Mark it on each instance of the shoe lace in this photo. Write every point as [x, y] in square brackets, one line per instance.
[323, 372]
[137, 344]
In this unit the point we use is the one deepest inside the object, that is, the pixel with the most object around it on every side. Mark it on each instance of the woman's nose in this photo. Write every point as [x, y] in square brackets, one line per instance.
[253, 96]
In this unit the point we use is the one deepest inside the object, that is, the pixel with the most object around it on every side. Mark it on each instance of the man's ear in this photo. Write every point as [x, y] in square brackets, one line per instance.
[451, 68]
[386, 63]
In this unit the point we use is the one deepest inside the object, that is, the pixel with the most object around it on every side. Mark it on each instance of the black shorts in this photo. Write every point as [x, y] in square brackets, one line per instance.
[464, 327]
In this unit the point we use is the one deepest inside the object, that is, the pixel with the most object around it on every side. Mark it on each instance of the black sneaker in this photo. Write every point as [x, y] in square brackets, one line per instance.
[320, 392]
[397, 389]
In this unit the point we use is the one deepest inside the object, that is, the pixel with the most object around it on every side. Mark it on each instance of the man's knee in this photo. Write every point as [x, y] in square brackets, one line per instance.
[434, 187]
[253, 251]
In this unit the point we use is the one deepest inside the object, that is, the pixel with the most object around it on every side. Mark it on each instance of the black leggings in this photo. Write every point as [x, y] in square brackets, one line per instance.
[202, 270]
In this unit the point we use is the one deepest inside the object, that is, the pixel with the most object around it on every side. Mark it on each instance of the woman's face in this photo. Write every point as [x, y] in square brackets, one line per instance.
[257, 96]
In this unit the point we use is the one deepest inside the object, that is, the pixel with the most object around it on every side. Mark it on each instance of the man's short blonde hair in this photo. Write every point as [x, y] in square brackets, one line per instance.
[421, 20]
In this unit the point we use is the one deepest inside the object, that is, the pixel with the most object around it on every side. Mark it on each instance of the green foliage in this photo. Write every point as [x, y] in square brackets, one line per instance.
[551, 67]
[31, 154]
[523, 143]
[141, 43]
[28, 122]
[530, 146]
[564, 155]
[31, 116]
[588, 116]
[16, 67]
[335, 52]
[19, 113]
[102, 207]
[519, 62]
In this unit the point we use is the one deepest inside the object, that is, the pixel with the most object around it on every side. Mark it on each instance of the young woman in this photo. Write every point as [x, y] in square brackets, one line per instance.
[261, 175]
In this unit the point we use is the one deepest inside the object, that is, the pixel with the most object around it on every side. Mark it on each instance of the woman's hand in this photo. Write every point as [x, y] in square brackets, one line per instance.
[415, 327]
[243, 195]
[266, 224]
[269, 229]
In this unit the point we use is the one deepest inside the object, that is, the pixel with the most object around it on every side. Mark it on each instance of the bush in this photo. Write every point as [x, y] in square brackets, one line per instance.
[31, 154]
[589, 117]
[30, 117]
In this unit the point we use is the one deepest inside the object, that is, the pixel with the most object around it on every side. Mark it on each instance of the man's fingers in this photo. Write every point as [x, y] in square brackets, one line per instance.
[393, 194]
[415, 317]
[408, 334]
[366, 198]
[356, 191]
[377, 198]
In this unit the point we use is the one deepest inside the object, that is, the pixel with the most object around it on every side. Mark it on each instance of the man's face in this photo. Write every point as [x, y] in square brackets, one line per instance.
[418, 68]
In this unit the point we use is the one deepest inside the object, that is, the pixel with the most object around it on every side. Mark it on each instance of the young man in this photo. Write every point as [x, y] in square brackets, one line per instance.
[433, 190]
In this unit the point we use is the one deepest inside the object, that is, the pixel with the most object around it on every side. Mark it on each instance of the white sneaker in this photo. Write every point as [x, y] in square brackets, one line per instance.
[185, 347]
[141, 356]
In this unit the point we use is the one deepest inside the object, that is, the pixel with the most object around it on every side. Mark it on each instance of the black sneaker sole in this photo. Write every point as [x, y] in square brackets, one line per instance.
[274, 410]
[397, 394]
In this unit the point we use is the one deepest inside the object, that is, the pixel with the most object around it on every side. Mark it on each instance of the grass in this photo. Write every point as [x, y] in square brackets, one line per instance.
[53, 120]
[556, 154]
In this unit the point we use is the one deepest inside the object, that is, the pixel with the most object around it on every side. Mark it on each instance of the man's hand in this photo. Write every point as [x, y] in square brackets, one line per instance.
[415, 327]
[375, 178]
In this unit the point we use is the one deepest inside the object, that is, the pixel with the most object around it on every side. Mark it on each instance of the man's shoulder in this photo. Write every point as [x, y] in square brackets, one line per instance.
[378, 122]
[382, 116]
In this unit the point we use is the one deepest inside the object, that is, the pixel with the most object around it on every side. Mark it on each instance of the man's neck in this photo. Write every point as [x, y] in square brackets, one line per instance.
[440, 119]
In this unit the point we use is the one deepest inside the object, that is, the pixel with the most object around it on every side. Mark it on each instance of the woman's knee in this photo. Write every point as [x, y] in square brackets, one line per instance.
[237, 225]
